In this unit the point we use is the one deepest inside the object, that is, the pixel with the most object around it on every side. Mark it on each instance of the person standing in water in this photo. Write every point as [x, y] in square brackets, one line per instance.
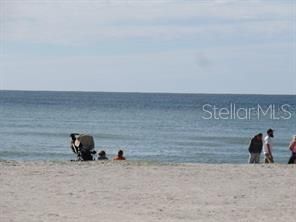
[292, 147]
[255, 148]
[267, 147]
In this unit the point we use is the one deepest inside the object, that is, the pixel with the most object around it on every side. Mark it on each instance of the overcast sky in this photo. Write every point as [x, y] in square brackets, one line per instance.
[194, 46]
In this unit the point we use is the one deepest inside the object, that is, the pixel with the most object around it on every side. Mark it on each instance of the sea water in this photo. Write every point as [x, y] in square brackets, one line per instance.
[186, 128]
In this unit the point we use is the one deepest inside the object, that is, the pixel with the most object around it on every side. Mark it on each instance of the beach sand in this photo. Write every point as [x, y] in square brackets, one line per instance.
[142, 192]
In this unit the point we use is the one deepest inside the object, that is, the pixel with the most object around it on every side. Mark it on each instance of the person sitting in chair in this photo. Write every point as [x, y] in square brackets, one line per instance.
[75, 144]
[82, 146]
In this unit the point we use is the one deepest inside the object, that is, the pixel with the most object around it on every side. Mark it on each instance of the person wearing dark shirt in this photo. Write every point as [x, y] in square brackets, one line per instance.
[102, 155]
[255, 148]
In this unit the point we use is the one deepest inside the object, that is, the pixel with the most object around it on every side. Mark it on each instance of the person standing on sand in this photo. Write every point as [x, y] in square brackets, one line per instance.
[119, 156]
[255, 148]
[268, 146]
[292, 147]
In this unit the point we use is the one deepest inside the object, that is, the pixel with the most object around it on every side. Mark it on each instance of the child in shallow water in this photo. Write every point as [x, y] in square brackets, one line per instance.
[102, 155]
[119, 156]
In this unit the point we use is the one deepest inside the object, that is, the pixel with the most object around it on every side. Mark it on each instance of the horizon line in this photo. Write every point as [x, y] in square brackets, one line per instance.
[137, 92]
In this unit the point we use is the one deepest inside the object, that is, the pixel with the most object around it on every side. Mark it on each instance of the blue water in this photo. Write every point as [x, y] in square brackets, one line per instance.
[157, 127]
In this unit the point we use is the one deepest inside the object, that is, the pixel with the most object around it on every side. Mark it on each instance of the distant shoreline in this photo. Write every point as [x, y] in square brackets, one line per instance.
[157, 93]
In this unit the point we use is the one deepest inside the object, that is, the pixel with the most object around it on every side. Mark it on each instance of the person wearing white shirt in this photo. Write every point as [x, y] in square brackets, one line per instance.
[267, 147]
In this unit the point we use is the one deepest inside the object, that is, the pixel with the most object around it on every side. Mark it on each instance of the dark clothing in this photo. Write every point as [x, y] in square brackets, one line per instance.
[292, 159]
[255, 146]
[102, 158]
[86, 155]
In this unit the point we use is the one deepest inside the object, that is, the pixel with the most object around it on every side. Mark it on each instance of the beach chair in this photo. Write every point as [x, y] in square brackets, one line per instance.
[83, 146]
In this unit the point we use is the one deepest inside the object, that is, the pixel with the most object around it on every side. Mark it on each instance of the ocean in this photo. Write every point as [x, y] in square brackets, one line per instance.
[169, 128]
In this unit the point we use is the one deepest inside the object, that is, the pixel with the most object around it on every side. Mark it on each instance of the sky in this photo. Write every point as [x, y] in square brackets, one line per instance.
[177, 46]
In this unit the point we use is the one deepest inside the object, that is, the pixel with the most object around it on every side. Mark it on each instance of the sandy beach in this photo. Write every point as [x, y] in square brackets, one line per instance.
[133, 191]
